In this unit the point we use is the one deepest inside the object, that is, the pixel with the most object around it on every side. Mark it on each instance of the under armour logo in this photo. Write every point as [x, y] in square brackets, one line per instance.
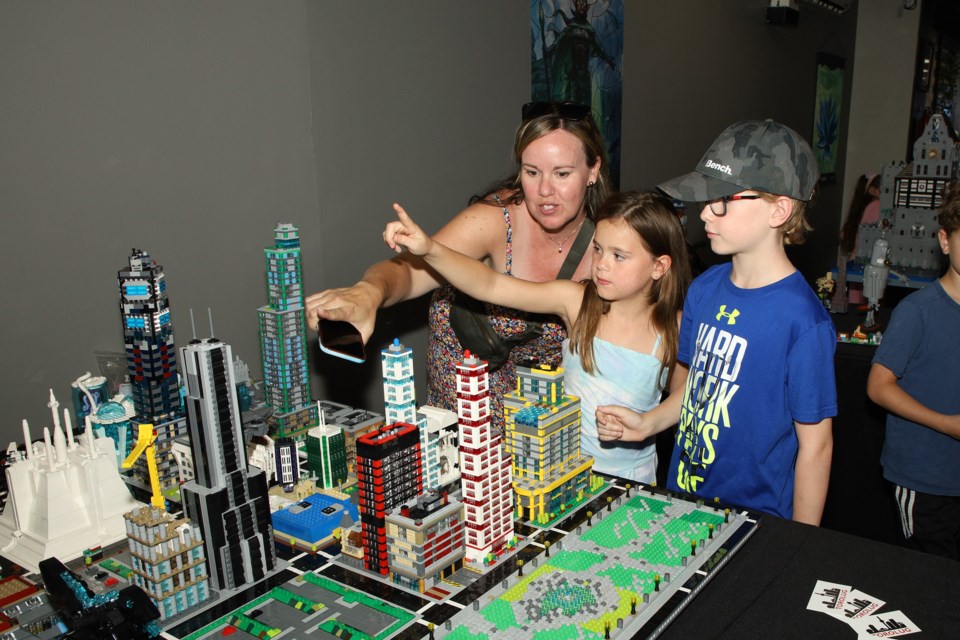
[731, 316]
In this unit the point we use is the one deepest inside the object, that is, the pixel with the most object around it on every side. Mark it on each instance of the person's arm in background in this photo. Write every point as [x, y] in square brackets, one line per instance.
[883, 389]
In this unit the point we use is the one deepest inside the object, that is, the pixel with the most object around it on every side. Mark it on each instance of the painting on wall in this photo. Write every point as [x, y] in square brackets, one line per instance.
[826, 114]
[577, 56]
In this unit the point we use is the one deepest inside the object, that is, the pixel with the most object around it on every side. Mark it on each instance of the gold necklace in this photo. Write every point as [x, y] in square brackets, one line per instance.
[562, 242]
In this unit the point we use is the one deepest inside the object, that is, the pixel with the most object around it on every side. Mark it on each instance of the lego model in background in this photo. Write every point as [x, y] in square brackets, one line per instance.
[425, 540]
[63, 496]
[484, 466]
[442, 431]
[146, 447]
[286, 463]
[875, 282]
[388, 474]
[327, 454]
[399, 394]
[151, 359]
[283, 343]
[354, 423]
[550, 474]
[168, 561]
[910, 195]
[228, 502]
[313, 522]
[241, 374]
[88, 393]
[400, 405]
[114, 419]
[127, 613]
[183, 457]
[261, 453]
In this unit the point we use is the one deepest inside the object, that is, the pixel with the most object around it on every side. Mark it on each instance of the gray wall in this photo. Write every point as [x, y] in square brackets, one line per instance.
[189, 129]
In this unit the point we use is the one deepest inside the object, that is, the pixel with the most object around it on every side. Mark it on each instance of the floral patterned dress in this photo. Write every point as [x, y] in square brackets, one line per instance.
[445, 352]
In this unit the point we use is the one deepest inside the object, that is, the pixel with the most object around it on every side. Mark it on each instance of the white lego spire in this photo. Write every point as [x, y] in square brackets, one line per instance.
[46, 441]
[26, 439]
[88, 432]
[54, 405]
[68, 427]
[59, 443]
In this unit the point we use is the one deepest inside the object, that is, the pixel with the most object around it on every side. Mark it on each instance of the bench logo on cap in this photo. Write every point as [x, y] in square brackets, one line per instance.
[723, 168]
[761, 155]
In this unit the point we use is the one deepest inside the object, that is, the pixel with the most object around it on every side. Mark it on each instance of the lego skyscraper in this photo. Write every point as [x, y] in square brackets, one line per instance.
[327, 455]
[400, 405]
[151, 358]
[388, 473]
[484, 466]
[168, 560]
[283, 344]
[550, 474]
[227, 500]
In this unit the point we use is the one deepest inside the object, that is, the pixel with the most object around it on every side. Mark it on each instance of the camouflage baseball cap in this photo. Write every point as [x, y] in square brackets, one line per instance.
[761, 155]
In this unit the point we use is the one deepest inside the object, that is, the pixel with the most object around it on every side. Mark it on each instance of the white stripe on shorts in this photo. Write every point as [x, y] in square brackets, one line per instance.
[905, 499]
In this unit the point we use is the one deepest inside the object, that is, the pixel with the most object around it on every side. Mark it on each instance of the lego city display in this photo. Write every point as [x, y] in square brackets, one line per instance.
[409, 524]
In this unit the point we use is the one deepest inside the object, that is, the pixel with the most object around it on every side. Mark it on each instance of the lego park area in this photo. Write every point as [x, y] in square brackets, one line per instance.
[193, 502]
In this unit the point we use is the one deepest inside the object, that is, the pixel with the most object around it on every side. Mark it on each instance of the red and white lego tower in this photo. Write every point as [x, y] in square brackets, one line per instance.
[485, 473]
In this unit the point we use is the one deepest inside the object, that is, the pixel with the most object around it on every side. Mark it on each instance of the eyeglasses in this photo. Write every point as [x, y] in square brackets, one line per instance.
[566, 110]
[719, 206]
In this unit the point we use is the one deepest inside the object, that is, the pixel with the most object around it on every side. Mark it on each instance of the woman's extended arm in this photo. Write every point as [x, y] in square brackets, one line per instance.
[561, 297]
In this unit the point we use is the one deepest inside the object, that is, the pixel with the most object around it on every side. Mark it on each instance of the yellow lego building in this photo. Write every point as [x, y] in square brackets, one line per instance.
[550, 474]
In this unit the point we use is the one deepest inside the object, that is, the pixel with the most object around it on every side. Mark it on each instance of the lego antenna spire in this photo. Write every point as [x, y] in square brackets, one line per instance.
[193, 325]
[26, 439]
[210, 316]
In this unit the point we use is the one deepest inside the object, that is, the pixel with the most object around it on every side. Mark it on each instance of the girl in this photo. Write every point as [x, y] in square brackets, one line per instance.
[623, 323]
[864, 209]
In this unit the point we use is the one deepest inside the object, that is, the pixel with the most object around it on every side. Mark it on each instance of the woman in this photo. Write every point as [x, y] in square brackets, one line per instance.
[524, 226]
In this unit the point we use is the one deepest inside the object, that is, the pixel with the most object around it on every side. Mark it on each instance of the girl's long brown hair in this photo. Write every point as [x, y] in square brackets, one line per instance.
[655, 220]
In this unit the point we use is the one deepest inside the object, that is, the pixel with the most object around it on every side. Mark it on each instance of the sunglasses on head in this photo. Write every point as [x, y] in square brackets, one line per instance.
[566, 110]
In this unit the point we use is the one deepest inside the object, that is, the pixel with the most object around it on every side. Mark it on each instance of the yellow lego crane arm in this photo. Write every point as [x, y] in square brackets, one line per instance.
[146, 439]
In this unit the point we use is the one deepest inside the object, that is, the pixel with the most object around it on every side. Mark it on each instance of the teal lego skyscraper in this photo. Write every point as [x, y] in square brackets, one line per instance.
[283, 343]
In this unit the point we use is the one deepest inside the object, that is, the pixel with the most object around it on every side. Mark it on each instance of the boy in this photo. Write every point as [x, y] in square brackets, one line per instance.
[755, 419]
[914, 376]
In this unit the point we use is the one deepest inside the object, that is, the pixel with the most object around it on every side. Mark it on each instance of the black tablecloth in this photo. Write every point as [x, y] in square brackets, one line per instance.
[763, 590]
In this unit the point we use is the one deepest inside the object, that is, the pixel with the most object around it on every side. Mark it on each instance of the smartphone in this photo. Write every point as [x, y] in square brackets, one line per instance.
[341, 339]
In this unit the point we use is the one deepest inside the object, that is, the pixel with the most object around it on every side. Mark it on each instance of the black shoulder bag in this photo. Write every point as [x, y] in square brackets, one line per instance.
[468, 316]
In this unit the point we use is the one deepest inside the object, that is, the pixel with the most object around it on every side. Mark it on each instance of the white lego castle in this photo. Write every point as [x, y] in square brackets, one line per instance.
[64, 496]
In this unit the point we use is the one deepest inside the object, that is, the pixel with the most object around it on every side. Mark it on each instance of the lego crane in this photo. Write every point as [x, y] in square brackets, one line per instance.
[146, 439]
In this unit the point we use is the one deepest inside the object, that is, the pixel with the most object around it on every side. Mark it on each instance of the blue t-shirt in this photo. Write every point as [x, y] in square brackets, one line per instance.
[759, 360]
[922, 348]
